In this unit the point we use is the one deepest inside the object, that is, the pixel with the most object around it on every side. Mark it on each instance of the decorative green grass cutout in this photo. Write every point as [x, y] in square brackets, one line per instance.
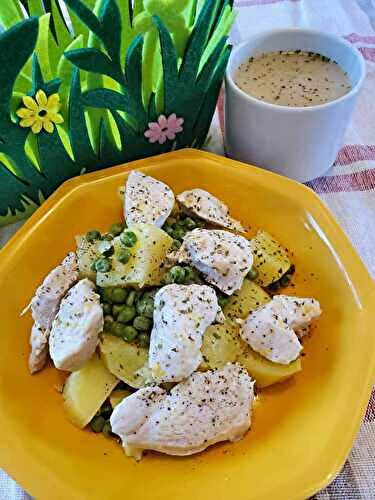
[118, 67]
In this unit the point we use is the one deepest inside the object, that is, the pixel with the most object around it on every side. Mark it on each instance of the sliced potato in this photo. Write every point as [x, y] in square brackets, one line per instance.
[145, 266]
[270, 258]
[86, 253]
[117, 396]
[128, 362]
[86, 390]
[245, 300]
[221, 345]
[266, 372]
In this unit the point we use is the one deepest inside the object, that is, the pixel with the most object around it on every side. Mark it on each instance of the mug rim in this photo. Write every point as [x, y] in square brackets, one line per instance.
[279, 107]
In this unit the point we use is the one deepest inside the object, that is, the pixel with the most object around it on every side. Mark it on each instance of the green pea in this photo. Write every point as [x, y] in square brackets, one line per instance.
[128, 238]
[131, 298]
[143, 340]
[116, 229]
[177, 273]
[189, 223]
[118, 329]
[127, 314]
[108, 323]
[142, 324]
[108, 237]
[178, 233]
[166, 279]
[117, 308]
[200, 223]
[130, 333]
[145, 307]
[107, 295]
[176, 244]
[222, 300]
[103, 265]
[97, 423]
[190, 275]
[107, 429]
[124, 255]
[107, 308]
[93, 235]
[253, 273]
[168, 229]
[119, 295]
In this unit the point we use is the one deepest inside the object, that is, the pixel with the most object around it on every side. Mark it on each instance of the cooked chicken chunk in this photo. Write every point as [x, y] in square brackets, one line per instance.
[147, 200]
[39, 348]
[222, 257]
[203, 410]
[209, 208]
[270, 329]
[75, 330]
[181, 315]
[46, 301]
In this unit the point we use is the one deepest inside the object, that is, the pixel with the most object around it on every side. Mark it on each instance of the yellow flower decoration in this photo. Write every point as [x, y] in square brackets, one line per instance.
[41, 112]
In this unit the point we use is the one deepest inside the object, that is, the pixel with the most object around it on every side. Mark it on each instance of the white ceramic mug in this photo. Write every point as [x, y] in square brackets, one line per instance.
[299, 142]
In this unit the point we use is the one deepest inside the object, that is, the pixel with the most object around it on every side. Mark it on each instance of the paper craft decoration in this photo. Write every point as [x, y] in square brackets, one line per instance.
[87, 84]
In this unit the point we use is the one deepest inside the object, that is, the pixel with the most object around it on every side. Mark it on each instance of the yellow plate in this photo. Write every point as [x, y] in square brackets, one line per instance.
[302, 430]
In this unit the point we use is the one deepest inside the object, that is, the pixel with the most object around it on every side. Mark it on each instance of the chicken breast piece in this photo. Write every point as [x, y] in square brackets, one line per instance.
[39, 348]
[269, 330]
[75, 330]
[181, 315]
[203, 410]
[45, 303]
[147, 200]
[209, 208]
[222, 257]
[299, 312]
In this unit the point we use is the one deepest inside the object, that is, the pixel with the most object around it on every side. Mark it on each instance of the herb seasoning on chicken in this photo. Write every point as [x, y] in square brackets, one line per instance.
[181, 315]
[222, 257]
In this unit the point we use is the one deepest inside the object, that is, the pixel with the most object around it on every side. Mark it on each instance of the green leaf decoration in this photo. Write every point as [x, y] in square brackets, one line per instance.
[78, 133]
[133, 82]
[117, 65]
[91, 60]
[105, 98]
[10, 13]
[110, 21]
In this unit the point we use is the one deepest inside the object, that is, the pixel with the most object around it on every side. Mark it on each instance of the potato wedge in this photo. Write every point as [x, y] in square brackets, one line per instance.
[86, 390]
[245, 300]
[145, 266]
[266, 372]
[221, 345]
[87, 253]
[128, 362]
[270, 258]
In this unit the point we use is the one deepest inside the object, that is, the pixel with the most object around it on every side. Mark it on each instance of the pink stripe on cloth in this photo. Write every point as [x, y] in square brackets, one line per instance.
[357, 181]
[356, 37]
[355, 152]
[252, 3]
[368, 53]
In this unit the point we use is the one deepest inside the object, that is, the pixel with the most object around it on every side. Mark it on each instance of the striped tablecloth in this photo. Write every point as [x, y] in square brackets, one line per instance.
[348, 188]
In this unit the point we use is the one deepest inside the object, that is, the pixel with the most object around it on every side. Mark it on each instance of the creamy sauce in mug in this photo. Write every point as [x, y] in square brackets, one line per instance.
[294, 78]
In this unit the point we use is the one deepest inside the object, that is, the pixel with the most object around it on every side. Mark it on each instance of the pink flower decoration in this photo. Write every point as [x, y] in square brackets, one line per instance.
[164, 128]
